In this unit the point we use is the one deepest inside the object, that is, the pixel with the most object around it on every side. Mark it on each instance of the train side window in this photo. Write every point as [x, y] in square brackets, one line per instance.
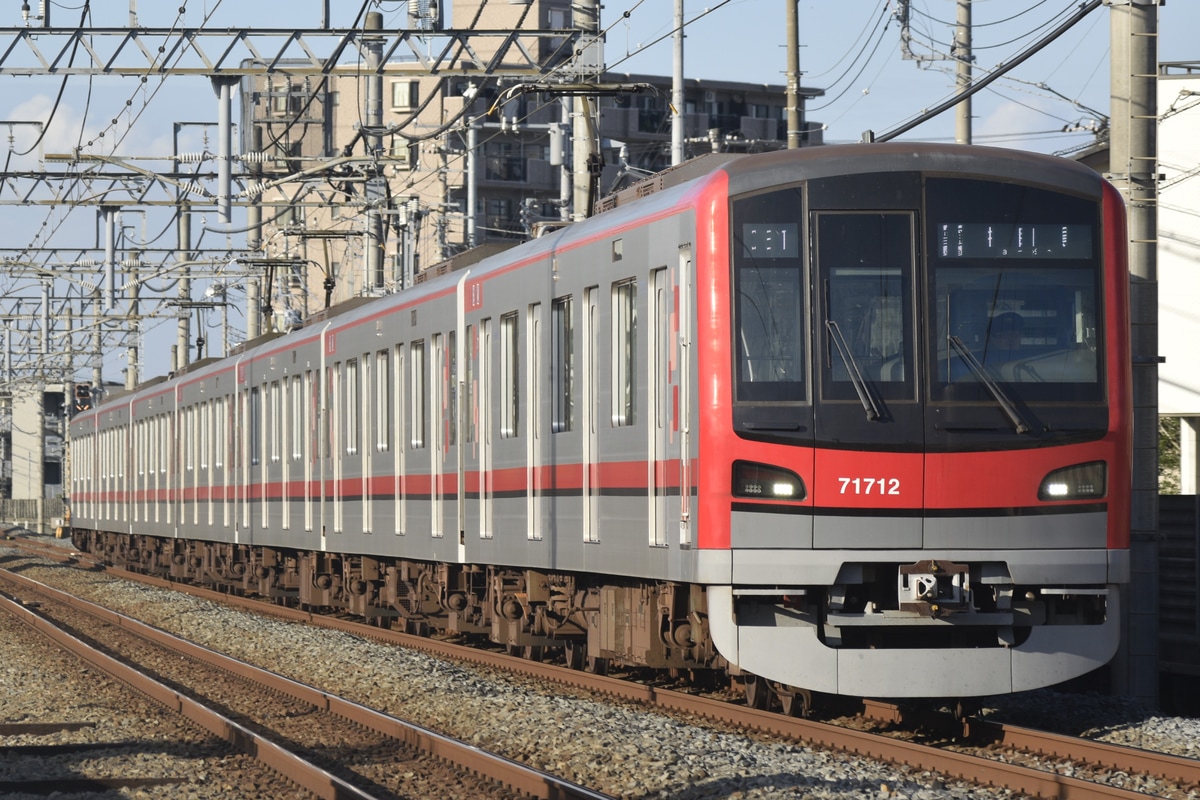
[351, 410]
[325, 410]
[510, 390]
[204, 442]
[450, 377]
[219, 437]
[562, 346]
[470, 353]
[533, 374]
[624, 353]
[416, 425]
[193, 418]
[276, 422]
[383, 402]
[297, 399]
[336, 389]
[254, 417]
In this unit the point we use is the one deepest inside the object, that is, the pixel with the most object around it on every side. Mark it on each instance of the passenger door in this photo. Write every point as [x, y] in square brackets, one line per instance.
[869, 423]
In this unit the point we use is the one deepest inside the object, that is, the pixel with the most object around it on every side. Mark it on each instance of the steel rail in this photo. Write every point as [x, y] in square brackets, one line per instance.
[1102, 754]
[975, 769]
[532, 782]
[286, 763]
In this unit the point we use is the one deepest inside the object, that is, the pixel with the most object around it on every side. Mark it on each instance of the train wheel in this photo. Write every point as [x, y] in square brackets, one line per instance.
[758, 692]
[575, 653]
[597, 666]
[965, 708]
[533, 653]
[794, 702]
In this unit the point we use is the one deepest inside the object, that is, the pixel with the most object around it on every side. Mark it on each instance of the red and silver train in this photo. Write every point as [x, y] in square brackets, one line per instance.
[847, 419]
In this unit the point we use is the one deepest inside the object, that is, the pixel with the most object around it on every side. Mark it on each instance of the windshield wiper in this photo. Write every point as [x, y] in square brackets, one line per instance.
[977, 369]
[856, 378]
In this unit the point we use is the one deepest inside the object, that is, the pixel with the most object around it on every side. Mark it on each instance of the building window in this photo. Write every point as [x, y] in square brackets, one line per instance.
[403, 153]
[405, 94]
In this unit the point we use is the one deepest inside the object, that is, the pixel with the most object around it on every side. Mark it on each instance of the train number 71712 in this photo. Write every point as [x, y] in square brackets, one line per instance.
[870, 485]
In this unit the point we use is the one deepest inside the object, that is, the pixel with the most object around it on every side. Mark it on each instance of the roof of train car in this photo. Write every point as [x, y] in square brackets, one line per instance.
[770, 169]
[359, 309]
[660, 194]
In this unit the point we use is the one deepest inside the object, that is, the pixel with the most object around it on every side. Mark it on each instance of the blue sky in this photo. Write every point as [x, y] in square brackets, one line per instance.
[852, 49]
[869, 84]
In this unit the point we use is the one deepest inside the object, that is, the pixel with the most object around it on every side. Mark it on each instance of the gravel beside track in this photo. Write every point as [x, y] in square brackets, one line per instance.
[616, 748]
[127, 737]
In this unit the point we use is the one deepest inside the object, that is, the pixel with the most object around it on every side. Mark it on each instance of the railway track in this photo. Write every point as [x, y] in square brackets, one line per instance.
[1020, 760]
[326, 745]
[67, 728]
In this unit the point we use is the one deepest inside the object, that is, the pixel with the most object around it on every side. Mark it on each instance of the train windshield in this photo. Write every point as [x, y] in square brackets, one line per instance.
[770, 307]
[1013, 286]
[869, 308]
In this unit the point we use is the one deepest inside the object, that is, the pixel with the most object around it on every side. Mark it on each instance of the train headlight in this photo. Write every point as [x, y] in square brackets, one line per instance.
[766, 482]
[1075, 483]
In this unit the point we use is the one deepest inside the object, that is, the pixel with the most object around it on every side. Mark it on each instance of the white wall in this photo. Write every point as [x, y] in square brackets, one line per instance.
[1179, 245]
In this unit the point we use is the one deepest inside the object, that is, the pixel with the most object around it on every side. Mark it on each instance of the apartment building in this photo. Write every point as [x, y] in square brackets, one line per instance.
[462, 160]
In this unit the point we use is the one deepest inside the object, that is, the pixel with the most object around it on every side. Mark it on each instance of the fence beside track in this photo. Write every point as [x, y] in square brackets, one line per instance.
[37, 515]
[1179, 602]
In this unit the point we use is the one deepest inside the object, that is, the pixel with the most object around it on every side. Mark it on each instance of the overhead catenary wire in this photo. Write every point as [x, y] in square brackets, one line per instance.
[1084, 10]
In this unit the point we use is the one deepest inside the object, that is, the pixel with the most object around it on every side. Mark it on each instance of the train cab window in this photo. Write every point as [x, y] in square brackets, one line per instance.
[768, 310]
[865, 271]
[1015, 290]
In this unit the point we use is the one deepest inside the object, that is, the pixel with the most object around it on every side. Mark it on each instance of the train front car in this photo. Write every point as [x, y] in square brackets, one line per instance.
[916, 437]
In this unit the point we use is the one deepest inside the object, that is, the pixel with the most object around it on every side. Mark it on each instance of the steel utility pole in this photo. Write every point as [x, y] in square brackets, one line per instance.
[1133, 166]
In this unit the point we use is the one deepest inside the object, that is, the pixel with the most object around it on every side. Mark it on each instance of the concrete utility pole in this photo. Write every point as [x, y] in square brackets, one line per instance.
[589, 61]
[183, 339]
[108, 215]
[97, 343]
[794, 123]
[962, 54]
[677, 89]
[472, 178]
[374, 118]
[132, 352]
[1133, 165]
